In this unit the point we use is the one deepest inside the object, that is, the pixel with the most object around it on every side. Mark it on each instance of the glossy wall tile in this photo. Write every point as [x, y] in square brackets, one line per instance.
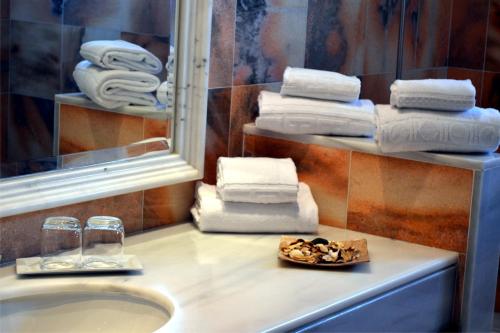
[266, 41]
[411, 201]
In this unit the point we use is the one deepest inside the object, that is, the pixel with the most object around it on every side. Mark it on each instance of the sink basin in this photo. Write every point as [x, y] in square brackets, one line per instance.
[83, 308]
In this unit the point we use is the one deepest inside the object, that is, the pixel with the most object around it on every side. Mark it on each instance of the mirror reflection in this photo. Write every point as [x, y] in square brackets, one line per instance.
[84, 82]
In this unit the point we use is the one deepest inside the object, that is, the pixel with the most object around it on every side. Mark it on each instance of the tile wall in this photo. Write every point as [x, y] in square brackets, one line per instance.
[253, 41]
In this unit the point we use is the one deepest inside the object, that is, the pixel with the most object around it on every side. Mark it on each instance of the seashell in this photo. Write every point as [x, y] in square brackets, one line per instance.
[296, 254]
[327, 258]
[322, 248]
[334, 254]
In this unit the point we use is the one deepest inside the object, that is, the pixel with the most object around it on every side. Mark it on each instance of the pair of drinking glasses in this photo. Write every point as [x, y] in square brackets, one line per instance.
[65, 246]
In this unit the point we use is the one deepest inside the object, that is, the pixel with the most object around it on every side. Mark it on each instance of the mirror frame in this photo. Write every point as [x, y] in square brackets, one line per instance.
[64, 187]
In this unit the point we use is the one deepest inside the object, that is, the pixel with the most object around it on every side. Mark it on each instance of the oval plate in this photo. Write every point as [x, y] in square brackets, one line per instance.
[359, 244]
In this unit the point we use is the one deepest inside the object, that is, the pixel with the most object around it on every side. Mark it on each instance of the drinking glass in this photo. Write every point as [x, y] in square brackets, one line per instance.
[103, 241]
[61, 243]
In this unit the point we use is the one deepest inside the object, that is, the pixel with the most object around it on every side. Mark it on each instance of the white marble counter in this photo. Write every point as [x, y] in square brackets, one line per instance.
[235, 283]
[368, 145]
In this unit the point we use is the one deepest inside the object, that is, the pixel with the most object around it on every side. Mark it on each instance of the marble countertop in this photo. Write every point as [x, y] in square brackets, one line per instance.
[235, 283]
[368, 145]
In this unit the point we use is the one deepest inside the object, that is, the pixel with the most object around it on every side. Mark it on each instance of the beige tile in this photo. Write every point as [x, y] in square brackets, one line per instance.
[411, 201]
[168, 205]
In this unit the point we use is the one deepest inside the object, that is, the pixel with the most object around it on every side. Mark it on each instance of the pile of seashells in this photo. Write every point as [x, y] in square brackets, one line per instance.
[320, 251]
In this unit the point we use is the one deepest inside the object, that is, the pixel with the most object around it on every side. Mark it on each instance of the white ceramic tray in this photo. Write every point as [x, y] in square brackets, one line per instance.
[31, 266]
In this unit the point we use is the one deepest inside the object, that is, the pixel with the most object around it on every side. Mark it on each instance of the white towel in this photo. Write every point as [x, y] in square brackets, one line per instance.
[119, 54]
[474, 130]
[213, 214]
[257, 179]
[115, 88]
[294, 115]
[433, 94]
[320, 84]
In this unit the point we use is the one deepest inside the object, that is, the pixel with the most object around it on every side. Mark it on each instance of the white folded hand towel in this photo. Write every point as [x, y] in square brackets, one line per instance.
[213, 214]
[257, 179]
[475, 130]
[295, 115]
[320, 84]
[434, 94]
[119, 54]
[115, 88]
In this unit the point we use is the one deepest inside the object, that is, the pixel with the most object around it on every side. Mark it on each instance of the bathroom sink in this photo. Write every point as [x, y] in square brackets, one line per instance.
[83, 308]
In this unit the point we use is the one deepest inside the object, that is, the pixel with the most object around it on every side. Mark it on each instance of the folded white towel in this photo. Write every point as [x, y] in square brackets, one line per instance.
[162, 93]
[119, 54]
[115, 88]
[474, 130]
[213, 214]
[434, 94]
[257, 179]
[320, 84]
[296, 115]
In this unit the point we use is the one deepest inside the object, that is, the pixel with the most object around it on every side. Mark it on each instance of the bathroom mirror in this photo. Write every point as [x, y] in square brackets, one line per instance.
[98, 151]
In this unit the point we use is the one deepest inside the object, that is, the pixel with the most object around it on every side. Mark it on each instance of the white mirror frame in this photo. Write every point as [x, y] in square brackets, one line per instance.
[64, 187]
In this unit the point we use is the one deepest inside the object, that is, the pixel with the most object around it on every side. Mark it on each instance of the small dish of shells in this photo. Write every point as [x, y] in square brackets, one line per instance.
[322, 252]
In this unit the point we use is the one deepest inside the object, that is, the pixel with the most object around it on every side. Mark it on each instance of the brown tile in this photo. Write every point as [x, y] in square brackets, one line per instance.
[476, 76]
[4, 9]
[431, 73]
[411, 201]
[270, 35]
[4, 55]
[168, 205]
[46, 11]
[468, 34]
[30, 128]
[4, 101]
[20, 234]
[377, 87]
[325, 170]
[222, 44]
[491, 90]
[382, 34]
[427, 31]
[244, 109]
[217, 137]
[493, 45]
[154, 128]
[335, 36]
[84, 129]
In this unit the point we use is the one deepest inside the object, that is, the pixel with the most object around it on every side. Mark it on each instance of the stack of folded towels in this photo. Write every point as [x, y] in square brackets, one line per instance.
[117, 73]
[436, 115]
[316, 102]
[255, 195]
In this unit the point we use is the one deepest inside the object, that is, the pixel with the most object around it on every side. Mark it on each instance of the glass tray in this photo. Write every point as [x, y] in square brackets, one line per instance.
[31, 266]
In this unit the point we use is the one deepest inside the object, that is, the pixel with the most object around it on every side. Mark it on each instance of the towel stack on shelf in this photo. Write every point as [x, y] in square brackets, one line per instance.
[316, 102]
[255, 195]
[436, 115]
[117, 73]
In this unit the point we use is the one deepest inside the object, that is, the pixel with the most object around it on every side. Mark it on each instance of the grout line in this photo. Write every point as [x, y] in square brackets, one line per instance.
[142, 211]
[450, 27]
[487, 31]
[348, 189]
[234, 44]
